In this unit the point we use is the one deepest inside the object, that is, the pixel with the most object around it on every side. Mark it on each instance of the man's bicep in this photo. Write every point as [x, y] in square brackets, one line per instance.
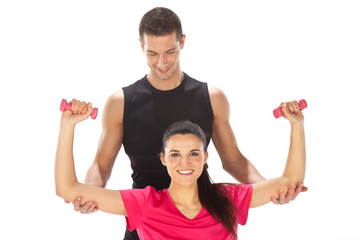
[112, 131]
[222, 134]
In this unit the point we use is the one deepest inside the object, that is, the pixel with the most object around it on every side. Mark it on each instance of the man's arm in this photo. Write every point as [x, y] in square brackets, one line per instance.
[110, 141]
[232, 159]
[238, 166]
[109, 146]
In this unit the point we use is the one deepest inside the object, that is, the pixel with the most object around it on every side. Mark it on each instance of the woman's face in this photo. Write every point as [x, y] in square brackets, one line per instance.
[184, 158]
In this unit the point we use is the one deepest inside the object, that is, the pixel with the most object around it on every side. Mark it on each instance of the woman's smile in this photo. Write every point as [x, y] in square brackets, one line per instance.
[185, 172]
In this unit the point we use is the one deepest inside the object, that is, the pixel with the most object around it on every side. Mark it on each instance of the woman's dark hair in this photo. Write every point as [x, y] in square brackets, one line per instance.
[160, 21]
[212, 196]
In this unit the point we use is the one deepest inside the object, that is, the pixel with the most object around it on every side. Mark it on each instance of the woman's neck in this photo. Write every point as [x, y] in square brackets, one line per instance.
[184, 195]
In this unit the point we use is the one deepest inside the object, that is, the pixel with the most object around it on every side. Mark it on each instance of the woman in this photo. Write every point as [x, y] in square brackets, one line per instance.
[192, 207]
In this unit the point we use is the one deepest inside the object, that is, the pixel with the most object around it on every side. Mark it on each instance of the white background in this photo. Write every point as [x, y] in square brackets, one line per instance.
[258, 52]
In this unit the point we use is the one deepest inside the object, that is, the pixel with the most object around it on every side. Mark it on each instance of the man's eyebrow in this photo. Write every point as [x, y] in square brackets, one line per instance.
[149, 51]
[172, 49]
[173, 150]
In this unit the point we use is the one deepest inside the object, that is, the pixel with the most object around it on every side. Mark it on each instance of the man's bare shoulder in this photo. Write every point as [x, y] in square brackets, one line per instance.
[117, 96]
[116, 99]
[114, 107]
[216, 95]
[219, 102]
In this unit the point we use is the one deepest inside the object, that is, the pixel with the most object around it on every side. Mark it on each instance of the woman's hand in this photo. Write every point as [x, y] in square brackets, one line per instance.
[292, 112]
[79, 112]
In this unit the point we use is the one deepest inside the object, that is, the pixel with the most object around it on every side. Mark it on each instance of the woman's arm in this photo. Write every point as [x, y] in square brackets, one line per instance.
[67, 185]
[294, 172]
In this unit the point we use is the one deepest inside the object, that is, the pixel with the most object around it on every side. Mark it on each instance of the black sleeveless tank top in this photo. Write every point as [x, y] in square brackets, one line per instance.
[148, 112]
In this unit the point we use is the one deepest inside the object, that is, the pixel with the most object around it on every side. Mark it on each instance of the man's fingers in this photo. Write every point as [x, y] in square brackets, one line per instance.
[281, 197]
[274, 200]
[92, 208]
[280, 200]
[77, 205]
[85, 208]
[299, 188]
[290, 194]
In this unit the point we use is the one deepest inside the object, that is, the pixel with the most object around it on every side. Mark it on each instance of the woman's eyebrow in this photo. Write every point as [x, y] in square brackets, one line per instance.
[195, 150]
[173, 150]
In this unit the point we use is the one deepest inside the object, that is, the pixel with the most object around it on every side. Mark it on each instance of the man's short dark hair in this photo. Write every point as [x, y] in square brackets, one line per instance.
[160, 21]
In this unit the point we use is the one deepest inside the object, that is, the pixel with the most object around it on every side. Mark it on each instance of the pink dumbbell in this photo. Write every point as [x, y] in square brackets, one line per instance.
[67, 106]
[279, 113]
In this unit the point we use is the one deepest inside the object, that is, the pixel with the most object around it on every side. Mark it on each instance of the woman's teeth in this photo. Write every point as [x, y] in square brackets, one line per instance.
[185, 171]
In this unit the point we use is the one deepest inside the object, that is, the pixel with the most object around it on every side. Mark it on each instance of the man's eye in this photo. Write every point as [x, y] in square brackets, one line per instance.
[170, 52]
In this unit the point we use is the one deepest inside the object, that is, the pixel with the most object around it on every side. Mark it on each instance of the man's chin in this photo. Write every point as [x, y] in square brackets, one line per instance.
[163, 77]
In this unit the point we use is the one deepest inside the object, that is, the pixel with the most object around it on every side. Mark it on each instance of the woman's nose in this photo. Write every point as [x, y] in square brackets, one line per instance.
[184, 161]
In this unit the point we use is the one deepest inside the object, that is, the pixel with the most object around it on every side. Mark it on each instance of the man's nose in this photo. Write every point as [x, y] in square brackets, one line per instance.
[162, 62]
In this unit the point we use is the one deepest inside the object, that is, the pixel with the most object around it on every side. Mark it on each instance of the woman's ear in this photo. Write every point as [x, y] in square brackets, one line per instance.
[162, 158]
[206, 155]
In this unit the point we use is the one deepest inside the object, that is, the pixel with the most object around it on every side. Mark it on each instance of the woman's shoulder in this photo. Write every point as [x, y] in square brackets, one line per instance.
[234, 189]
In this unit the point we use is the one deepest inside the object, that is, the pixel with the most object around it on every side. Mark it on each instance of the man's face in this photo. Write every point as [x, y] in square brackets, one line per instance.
[162, 55]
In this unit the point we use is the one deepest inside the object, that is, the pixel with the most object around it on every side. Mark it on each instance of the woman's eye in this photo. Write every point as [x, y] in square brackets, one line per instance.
[194, 154]
[175, 155]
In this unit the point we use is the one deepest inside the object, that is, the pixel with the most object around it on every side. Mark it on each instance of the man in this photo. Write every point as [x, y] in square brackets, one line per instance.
[137, 115]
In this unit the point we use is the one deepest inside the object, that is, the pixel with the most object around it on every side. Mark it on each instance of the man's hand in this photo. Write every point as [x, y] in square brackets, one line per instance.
[292, 193]
[86, 208]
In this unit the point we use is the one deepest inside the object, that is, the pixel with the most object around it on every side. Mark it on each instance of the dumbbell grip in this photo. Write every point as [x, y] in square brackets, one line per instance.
[67, 106]
[279, 113]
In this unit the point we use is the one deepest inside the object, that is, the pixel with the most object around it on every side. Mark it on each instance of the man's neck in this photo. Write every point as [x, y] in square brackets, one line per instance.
[166, 84]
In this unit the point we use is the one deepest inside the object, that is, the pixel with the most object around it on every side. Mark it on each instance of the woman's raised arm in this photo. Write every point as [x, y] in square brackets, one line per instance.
[294, 172]
[67, 185]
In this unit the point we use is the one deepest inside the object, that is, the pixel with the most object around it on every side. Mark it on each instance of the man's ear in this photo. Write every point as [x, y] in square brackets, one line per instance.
[162, 158]
[142, 45]
[182, 41]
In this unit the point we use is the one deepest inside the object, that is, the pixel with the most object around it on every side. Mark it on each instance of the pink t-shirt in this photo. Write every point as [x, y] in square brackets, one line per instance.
[155, 216]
